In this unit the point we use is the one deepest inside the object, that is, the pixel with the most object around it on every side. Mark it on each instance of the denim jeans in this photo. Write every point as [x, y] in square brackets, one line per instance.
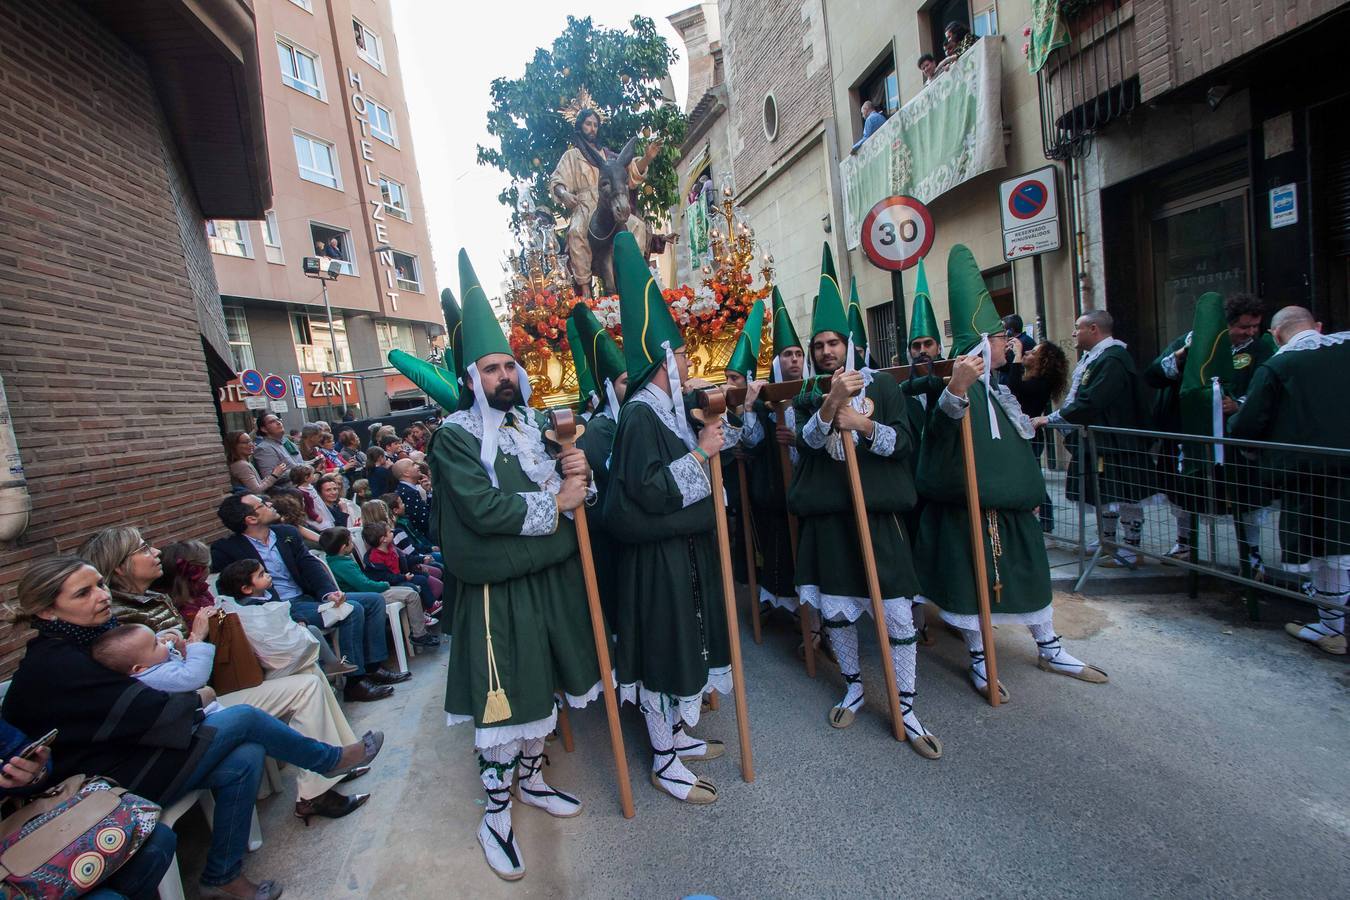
[139, 877]
[361, 635]
[232, 768]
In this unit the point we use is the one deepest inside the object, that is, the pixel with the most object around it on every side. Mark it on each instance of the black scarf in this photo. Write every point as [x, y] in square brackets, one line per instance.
[79, 635]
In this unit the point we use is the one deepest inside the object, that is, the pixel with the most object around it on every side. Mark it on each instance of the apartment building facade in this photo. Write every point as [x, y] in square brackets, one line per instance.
[345, 190]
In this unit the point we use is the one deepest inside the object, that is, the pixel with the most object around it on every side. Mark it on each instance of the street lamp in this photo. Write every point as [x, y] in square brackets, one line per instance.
[325, 270]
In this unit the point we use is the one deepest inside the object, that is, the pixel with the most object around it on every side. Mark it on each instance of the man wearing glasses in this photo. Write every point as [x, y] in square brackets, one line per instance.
[298, 578]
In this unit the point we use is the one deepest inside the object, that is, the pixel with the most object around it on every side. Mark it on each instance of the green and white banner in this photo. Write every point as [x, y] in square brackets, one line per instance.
[696, 219]
[949, 133]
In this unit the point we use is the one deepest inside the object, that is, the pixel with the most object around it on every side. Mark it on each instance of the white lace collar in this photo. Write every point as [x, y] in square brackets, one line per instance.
[664, 406]
[521, 439]
[1312, 339]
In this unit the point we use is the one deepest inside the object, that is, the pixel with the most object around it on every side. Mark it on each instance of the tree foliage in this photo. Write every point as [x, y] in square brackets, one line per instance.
[623, 70]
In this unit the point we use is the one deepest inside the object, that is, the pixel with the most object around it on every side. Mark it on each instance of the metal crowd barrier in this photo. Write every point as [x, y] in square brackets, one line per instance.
[1063, 521]
[1252, 512]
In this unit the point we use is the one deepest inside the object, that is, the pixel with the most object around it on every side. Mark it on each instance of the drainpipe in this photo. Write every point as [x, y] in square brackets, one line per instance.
[15, 503]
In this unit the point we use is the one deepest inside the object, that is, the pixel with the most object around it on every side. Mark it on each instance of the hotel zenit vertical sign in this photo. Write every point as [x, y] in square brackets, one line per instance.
[380, 226]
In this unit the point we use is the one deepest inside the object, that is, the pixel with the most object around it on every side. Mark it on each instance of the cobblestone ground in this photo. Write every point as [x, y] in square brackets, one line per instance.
[1213, 765]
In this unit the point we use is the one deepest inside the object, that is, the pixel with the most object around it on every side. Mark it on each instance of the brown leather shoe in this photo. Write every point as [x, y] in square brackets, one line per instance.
[361, 690]
[384, 676]
[329, 805]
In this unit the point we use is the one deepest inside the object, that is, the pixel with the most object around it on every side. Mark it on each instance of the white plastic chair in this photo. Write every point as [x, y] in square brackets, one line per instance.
[393, 611]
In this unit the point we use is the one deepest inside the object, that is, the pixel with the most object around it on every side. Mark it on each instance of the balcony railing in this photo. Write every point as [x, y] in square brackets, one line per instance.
[1092, 81]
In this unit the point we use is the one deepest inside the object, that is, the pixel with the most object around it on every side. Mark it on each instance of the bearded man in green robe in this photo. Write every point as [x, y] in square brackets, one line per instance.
[830, 573]
[521, 625]
[1010, 489]
[672, 644]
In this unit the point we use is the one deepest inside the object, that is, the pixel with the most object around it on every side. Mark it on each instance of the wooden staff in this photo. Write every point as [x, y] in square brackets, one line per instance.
[779, 391]
[565, 725]
[803, 611]
[977, 551]
[748, 529]
[565, 432]
[712, 403]
[873, 583]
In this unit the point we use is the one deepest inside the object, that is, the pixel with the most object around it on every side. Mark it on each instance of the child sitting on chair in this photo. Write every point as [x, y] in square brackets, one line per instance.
[337, 544]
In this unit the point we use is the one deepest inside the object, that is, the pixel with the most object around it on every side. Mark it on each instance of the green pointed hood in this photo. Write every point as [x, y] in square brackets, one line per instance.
[972, 309]
[829, 314]
[784, 334]
[923, 323]
[643, 314]
[1210, 356]
[586, 387]
[744, 357]
[454, 330]
[603, 357]
[482, 333]
[856, 330]
[437, 382]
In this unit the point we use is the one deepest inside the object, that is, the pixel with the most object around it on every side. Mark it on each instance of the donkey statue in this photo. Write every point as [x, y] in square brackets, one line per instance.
[612, 209]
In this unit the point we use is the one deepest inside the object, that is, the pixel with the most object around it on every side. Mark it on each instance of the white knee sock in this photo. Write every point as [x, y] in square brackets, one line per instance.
[1183, 520]
[904, 657]
[496, 767]
[665, 760]
[975, 646]
[1331, 584]
[1132, 520]
[1108, 520]
[844, 641]
[1052, 649]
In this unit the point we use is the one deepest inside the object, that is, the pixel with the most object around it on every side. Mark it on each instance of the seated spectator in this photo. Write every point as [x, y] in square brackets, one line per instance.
[407, 478]
[349, 446]
[361, 492]
[340, 509]
[306, 480]
[310, 435]
[186, 565]
[328, 460]
[303, 699]
[337, 545]
[409, 543]
[302, 581]
[393, 447]
[873, 119]
[148, 741]
[927, 67]
[137, 877]
[290, 506]
[246, 581]
[416, 436]
[383, 562]
[273, 448]
[377, 472]
[239, 452]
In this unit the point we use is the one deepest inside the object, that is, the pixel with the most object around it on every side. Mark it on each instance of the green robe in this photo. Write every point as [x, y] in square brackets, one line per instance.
[1009, 482]
[672, 627]
[768, 509]
[1110, 394]
[830, 573]
[597, 442]
[1287, 403]
[513, 549]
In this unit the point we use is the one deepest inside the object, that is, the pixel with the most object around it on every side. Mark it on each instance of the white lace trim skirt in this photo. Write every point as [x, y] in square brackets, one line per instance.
[688, 708]
[788, 603]
[493, 736]
[834, 607]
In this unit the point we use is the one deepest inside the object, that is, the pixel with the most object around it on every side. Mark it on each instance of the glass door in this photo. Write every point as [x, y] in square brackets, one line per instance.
[1200, 244]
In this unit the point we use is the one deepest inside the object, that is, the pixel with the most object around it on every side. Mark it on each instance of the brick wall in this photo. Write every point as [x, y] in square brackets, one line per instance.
[101, 355]
[778, 46]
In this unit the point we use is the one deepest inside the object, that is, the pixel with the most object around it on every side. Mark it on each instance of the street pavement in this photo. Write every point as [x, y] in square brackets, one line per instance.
[1214, 764]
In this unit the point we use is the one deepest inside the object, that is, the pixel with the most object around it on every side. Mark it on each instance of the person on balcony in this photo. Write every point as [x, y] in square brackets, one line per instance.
[927, 67]
[873, 119]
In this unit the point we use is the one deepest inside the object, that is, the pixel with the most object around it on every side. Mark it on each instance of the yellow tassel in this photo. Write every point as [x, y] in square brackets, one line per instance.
[497, 708]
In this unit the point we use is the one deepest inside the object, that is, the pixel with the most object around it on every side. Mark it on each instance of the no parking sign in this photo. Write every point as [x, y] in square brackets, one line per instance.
[1029, 208]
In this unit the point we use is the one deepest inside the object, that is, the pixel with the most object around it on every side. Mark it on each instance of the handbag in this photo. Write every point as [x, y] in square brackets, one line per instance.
[67, 840]
[281, 645]
[236, 667]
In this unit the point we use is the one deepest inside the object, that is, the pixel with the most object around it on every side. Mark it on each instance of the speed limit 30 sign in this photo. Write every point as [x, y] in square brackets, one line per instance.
[897, 233]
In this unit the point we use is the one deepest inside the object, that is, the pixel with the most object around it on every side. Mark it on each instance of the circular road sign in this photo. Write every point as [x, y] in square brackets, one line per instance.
[897, 233]
[275, 387]
[1027, 199]
[251, 381]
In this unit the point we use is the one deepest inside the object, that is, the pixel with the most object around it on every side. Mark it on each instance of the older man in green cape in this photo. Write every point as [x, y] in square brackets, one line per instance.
[521, 625]
[830, 574]
[1010, 489]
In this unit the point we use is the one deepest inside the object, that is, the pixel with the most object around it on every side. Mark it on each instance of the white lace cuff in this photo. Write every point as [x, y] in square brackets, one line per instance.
[814, 432]
[883, 439]
[952, 405]
[752, 430]
[541, 514]
[690, 479]
[1169, 367]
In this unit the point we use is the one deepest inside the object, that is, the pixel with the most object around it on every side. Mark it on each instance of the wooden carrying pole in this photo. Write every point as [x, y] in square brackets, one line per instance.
[803, 611]
[712, 403]
[749, 531]
[869, 560]
[977, 552]
[565, 432]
